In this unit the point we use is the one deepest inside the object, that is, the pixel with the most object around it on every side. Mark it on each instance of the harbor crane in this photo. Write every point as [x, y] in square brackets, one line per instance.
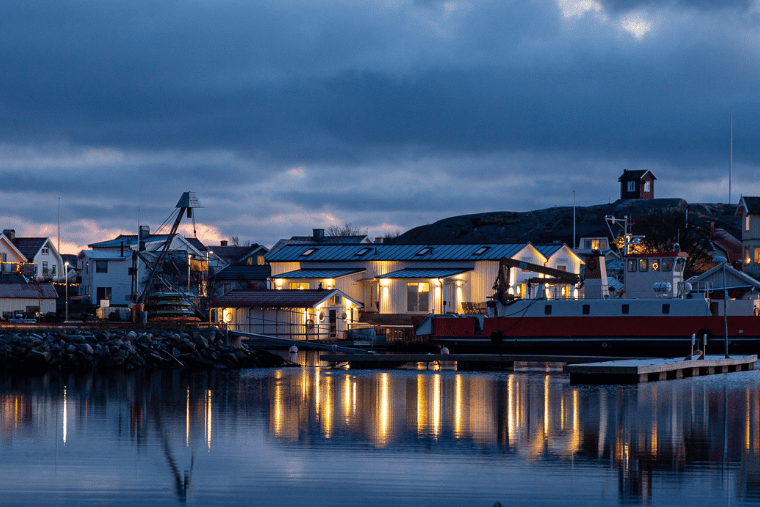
[186, 204]
[501, 286]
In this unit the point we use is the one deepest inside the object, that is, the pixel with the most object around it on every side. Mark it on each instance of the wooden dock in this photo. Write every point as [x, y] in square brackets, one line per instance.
[635, 371]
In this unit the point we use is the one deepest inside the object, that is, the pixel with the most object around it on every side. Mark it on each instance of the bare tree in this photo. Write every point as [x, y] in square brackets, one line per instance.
[392, 234]
[235, 240]
[347, 229]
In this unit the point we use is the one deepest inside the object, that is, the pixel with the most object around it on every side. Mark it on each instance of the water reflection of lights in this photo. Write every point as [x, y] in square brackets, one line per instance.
[327, 413]
[277, 403]
[65, 416]
[187, 419]
[458, 406]
[422, 406]
[383, 409]
[436, 426]
[208, 418]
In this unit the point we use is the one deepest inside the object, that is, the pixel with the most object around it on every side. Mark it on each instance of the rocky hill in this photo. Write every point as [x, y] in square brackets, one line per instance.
[651, 217]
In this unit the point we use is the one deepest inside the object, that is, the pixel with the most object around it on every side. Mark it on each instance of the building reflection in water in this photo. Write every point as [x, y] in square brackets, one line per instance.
[639, 431]
[636, 429]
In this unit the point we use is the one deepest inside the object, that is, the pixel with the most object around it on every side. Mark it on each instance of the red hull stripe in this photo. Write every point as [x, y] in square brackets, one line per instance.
[548, 327]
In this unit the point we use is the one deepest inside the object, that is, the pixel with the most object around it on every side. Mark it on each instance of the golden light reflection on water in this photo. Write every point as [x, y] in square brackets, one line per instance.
[531, 416]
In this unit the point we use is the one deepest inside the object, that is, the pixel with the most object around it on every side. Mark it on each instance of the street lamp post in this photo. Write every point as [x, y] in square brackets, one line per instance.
[66, 277]
[723, 261]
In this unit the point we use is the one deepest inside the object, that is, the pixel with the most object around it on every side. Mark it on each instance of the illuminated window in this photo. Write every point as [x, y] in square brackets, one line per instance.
[747, 258]
[308, 252]
[655, 264]
[757, 255]
[298, 285]
[646, 186]
[417, 297]
[631, 264]
[643, 264]
[746, 223]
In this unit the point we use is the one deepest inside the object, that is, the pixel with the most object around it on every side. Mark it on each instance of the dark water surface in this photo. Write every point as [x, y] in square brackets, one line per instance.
[321, 437]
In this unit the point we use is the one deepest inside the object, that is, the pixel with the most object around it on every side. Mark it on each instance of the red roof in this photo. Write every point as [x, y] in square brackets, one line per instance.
[290, 298]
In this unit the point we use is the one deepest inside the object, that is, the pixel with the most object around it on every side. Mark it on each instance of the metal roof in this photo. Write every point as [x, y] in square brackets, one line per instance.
[127, 240]
[390, 252]
[106, 255]
[549, 249]
[27, 291]
[319, 273]
[242, 273]
[424, 273]
[306, 298]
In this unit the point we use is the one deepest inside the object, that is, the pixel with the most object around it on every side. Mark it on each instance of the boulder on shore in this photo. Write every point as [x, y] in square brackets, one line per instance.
[40, 351]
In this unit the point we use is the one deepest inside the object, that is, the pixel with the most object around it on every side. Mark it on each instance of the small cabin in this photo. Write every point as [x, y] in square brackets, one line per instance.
[637, 184]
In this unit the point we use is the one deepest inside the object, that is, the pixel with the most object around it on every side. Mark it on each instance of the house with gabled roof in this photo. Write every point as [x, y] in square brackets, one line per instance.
[740, 286]
[637, 184]
[749, 211]
[35, 257]
[11, 258]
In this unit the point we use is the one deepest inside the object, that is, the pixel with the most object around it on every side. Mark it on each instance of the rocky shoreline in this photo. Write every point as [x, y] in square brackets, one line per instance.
[35, 352]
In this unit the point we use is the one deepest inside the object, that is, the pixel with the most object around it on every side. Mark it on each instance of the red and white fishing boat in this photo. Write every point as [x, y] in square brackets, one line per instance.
[655, 315]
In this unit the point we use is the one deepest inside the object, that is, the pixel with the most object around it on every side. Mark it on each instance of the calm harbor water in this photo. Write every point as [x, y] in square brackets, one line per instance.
[322, 437]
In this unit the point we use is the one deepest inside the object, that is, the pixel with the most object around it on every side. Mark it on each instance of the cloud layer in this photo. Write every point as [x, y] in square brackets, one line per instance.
[285, 116]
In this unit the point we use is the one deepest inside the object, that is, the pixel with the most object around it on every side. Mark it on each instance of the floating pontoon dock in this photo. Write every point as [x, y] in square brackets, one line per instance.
[582, 369]
[634, 371]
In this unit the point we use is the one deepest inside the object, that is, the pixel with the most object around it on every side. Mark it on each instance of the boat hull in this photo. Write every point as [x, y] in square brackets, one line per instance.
[614, 336]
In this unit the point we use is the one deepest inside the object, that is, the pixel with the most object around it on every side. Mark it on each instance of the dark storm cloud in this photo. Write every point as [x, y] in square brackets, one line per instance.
[408, 110]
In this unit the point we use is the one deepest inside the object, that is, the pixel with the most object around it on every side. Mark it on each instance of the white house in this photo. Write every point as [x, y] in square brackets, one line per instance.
[35, 257]
[109, 271]
[105, 276]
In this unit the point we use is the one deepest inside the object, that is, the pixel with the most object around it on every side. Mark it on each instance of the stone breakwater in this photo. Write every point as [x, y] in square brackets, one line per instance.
[39, 351]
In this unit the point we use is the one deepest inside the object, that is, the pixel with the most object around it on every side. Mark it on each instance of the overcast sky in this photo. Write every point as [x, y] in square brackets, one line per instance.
[288, 115]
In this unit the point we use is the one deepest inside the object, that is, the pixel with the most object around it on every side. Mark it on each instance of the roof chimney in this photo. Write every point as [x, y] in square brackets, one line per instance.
[223, 242]
[10, 234]
[143, 234]
[318, 234]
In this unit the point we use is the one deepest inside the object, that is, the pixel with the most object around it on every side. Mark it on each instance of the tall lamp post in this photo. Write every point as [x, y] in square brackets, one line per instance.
[66, 277]
[723, 262]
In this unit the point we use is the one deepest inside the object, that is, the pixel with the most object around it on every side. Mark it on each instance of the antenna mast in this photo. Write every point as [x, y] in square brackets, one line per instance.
[730, 153]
